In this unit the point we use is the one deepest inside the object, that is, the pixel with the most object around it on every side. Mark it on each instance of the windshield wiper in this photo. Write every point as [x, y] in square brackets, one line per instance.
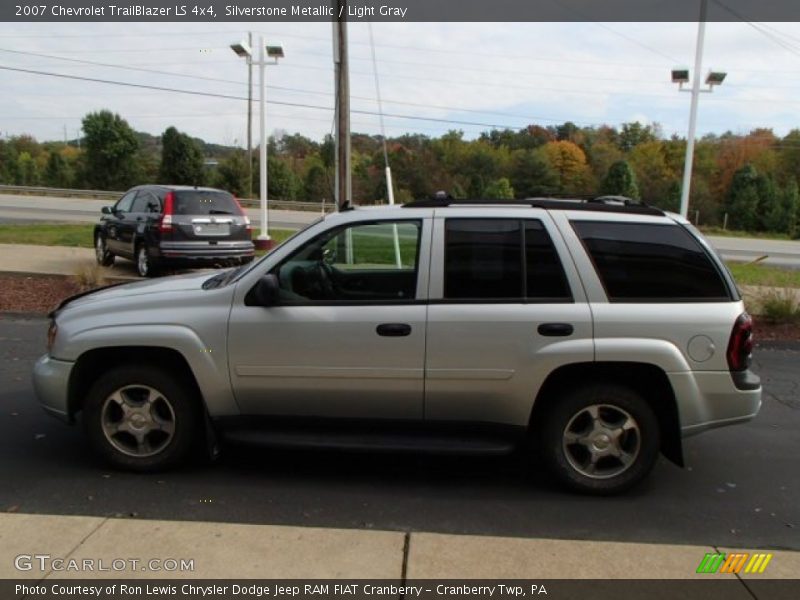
[216, 211]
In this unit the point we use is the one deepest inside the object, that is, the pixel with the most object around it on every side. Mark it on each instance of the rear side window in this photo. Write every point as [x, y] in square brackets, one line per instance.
[198, 202]
[502, 259]
[644, 262]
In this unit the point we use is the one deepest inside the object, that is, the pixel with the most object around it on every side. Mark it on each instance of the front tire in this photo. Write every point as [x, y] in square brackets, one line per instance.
[101, 253]
[141, 418]
[600, 439]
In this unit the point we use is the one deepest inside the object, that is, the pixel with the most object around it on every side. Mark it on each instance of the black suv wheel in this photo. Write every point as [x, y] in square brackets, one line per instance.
[101, 253]
[145, 265]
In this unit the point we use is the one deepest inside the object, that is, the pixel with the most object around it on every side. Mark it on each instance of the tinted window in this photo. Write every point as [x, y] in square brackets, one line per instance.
[199, 202]
[140, 203]
[124, 204]
[366, 262]
[545, 278]
[483, 259]
[650, 262]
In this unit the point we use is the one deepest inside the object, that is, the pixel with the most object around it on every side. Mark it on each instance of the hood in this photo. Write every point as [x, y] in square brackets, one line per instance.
[175, 283]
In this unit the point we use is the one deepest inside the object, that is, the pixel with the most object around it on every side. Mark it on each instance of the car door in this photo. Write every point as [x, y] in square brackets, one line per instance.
[505, 310]
[347, 338]
[116, 224]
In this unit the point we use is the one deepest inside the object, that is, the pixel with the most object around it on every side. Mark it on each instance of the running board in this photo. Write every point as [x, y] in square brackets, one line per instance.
[421, 442]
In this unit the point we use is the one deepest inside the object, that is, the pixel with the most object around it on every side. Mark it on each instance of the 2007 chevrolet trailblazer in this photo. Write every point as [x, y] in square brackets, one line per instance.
[603, 331]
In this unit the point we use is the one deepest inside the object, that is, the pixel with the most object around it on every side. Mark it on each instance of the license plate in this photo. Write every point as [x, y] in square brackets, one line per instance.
[211, 228]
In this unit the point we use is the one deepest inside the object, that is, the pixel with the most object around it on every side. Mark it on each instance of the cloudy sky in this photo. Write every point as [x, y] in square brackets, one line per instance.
[468, 76]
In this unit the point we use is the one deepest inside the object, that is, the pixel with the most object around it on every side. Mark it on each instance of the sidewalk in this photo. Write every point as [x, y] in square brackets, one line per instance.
[226, 550]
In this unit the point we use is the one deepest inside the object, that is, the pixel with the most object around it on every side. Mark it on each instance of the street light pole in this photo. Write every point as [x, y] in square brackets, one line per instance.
[263, 240]
[689, 160]
[275, 52]
[250, 120]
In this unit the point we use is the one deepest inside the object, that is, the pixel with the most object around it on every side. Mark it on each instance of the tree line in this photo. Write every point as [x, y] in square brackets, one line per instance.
[752, 178]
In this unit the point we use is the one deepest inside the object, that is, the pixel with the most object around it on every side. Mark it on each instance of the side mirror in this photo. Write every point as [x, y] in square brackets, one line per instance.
[265, 292]
[107, 210]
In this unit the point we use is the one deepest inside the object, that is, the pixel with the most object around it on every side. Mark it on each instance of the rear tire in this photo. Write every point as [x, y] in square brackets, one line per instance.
[101, 253]
[141, 418]
[600, 439]
[146, 266]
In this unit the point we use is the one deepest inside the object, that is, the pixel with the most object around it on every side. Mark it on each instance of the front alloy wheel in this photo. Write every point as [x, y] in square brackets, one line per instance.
[101, 253]
[142, 418]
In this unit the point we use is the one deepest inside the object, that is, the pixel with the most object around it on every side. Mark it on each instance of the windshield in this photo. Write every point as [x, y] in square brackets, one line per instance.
[232, 275]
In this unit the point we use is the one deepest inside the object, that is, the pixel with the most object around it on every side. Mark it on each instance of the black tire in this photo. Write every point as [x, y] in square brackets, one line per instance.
[601, 455]
[160, 450]
[146, 265]
[101, 253]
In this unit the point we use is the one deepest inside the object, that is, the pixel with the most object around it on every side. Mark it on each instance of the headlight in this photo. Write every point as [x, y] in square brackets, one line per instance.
[52, 331]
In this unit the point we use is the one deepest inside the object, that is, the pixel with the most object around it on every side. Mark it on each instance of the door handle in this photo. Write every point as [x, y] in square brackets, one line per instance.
[555, 329]
[393, 329]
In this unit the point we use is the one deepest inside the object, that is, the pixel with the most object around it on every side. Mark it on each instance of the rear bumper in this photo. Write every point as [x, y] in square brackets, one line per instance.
[709, 399]
[203, 251]
[50, 383]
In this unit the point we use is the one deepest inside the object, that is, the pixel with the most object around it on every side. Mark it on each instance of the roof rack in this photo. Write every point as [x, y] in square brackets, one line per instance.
[600, 203]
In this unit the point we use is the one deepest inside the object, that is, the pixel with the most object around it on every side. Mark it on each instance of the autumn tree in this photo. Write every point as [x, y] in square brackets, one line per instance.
[568, 162]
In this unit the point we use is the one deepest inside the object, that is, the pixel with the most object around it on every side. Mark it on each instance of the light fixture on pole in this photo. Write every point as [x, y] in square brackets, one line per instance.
[680, 75]
[274, 52]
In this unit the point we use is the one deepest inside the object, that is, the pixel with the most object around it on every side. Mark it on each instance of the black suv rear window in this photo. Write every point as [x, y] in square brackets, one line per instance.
[198, 202]
[508, 259]
[647, 262]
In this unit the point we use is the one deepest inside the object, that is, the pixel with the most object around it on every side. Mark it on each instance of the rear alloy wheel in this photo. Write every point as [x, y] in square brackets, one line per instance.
[101, 253]
[601, 439]
[145, 265]
[141, 419]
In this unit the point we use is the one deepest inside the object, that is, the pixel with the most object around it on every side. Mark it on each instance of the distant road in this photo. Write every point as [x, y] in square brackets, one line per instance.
[17, 209]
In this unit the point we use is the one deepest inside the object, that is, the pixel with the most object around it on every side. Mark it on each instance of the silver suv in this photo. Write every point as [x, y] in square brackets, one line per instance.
[601, 331]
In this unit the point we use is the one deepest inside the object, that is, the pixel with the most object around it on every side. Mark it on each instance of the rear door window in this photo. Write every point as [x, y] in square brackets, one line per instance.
[502, 259]
[650, 262]
[199, 202]
[124, 203]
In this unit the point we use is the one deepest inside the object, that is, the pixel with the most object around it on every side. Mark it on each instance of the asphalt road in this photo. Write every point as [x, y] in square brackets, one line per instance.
[21, 209]
[740, 490]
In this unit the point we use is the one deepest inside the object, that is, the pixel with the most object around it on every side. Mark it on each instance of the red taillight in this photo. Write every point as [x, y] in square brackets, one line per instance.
[247, 223]
[740, 346]
[166, 218]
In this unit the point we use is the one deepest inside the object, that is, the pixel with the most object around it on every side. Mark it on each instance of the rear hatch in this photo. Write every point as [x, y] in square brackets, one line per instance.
[208, 215]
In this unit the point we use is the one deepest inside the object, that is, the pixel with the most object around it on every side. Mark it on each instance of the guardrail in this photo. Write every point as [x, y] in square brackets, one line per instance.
[114, 196]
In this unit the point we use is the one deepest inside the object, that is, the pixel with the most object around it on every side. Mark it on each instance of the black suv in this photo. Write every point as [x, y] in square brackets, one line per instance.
[173, 225]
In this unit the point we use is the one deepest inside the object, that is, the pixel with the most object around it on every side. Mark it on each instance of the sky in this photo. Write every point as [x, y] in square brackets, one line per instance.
[433, 77]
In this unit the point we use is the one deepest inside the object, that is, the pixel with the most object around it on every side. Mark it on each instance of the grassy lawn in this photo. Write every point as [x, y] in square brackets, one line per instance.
[750, 274]
[74, 235]
[762, 235]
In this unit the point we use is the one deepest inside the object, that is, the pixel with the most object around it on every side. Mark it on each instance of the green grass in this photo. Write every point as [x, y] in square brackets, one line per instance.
[762, 235]
[74, 235]
[755, 274]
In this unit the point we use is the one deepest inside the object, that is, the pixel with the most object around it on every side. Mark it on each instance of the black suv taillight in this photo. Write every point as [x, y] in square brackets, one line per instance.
[740, 346]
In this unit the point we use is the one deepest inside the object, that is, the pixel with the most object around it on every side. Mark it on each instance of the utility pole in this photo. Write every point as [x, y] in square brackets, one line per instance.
[344, 189]
[698, 63]
[250, 120]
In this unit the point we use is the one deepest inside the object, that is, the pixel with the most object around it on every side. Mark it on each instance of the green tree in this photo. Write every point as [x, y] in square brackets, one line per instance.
[500, 189]
[57, 172]
[743, 199]
[635, 133]
[620, 181]
[231, 173]
[181, 159]
[110, 152]
[531, 175]
[27, 171]
[317, 183]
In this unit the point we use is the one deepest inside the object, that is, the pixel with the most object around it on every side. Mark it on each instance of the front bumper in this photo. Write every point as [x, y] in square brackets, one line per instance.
[50, 383]
[709, 399]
